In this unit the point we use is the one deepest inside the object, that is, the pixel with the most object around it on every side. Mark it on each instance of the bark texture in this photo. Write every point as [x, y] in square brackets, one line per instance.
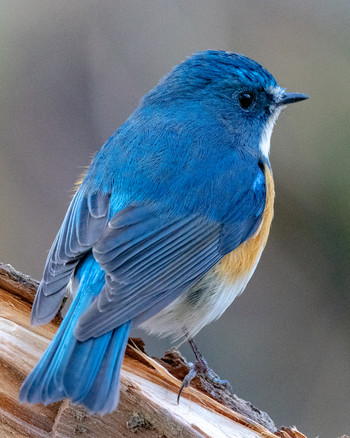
[149, 388]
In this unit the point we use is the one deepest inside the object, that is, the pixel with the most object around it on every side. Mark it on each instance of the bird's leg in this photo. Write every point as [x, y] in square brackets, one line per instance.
[200, 367]
[204, 369]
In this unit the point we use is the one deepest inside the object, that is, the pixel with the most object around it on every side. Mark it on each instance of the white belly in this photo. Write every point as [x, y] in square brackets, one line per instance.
[203, 303]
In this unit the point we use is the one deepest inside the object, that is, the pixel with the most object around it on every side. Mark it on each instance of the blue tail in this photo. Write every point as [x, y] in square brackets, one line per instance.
[86, 372]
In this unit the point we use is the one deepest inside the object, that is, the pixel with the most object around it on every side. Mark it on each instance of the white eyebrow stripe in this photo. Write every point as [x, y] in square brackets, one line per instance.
[277, 92]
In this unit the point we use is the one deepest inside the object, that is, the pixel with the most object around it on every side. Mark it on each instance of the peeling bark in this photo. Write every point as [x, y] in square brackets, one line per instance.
[149, 388]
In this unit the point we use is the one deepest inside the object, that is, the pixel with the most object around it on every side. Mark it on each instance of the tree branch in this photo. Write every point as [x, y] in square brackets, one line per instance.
[149, 388]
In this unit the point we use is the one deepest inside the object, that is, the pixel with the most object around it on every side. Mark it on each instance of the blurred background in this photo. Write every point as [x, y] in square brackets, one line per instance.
[72, 71]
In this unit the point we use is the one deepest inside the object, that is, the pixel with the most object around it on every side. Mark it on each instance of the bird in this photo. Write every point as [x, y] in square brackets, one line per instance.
[165, 229]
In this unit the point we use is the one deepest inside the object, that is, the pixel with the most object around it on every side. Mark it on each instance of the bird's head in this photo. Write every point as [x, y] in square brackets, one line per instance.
[237, 91]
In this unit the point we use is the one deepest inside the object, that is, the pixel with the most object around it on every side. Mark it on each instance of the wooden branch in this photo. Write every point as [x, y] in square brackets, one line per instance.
[148, 388]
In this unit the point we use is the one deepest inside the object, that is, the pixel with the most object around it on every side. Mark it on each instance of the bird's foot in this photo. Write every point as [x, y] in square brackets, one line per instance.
[198, 368]
[201, 369]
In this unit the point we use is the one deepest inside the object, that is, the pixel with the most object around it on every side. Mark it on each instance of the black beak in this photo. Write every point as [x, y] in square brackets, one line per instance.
[287, 98]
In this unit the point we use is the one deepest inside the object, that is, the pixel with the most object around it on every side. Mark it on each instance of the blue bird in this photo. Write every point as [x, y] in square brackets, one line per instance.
[166, 228]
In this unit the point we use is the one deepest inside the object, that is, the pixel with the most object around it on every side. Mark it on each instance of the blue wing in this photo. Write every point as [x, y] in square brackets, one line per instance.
[150, 258]
[149, 255]
[86, 218]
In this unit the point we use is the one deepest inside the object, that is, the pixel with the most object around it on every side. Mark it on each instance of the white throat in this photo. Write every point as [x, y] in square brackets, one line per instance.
[265, 139]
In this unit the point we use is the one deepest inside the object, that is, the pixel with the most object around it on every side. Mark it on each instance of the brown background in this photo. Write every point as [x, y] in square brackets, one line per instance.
[72, 71]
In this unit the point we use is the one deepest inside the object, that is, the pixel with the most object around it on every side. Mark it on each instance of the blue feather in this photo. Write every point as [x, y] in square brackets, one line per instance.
[85, 372]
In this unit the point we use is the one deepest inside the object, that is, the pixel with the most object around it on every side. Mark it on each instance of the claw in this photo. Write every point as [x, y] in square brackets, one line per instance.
[187, 381]
[200, 367]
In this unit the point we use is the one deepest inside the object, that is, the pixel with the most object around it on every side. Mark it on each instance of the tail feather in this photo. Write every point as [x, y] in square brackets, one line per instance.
[34, 384]
[84, 372]
[82, 367]
[103, 395]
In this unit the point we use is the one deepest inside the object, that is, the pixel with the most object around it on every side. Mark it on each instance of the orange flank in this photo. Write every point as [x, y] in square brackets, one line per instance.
[242, 260]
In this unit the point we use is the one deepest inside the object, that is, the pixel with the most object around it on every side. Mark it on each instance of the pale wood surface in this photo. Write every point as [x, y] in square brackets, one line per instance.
[148, 391]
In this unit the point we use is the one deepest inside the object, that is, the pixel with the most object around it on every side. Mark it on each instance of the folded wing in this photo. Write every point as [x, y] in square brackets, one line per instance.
[86, 218]
[149, 254]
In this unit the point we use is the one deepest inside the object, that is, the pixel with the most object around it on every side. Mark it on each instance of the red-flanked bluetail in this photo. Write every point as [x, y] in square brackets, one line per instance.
[166, 228]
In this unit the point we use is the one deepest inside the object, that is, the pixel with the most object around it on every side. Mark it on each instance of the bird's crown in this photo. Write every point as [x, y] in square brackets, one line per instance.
[215, 64]
[211, 67]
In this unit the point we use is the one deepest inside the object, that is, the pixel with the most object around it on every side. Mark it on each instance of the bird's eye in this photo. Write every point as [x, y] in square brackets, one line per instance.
[246, 99]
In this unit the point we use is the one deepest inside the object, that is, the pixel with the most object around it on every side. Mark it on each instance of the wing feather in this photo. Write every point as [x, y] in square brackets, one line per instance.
[151, 257]
[86, 219]
[141, 271]
[149, 254]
